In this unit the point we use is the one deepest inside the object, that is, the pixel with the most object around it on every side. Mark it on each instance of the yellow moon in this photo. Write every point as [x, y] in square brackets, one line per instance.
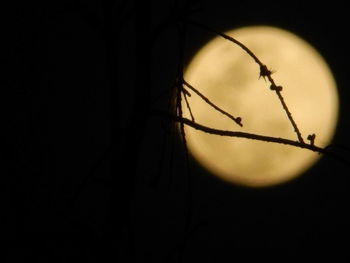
[226, 75]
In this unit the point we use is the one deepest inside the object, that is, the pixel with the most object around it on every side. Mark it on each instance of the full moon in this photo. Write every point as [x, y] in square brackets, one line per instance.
[229, 78]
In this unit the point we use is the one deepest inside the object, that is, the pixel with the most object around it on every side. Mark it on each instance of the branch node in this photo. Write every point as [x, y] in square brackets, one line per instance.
[239, 121]
[186, 92]
[311, 138]
[275, 87]
[264, 71]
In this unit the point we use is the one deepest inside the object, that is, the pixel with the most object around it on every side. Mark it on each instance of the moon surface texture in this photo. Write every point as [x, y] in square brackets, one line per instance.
[229, 78]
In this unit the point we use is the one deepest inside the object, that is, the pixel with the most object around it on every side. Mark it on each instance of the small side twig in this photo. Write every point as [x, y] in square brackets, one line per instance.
[188, 105]
[237, 120]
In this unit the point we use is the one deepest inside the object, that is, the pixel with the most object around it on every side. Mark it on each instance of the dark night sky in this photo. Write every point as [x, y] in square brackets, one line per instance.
[57, 126]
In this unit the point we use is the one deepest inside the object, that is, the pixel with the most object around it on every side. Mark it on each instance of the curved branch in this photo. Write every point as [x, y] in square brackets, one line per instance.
[246, 135]
[264, 72]
[229, 38]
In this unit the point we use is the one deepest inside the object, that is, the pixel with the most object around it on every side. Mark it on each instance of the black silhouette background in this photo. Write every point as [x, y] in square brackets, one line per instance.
[79, 79]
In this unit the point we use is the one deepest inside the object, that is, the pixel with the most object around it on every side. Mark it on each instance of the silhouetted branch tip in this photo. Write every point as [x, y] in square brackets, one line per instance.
[189, 107]
[237, 120]
[311, 138]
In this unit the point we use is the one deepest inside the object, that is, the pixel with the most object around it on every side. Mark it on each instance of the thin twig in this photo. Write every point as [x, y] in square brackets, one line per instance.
[289, 114]
[250, 53]
[188, 105]
[237, 120]
[326, 151]
[264, 72]
[239, 134]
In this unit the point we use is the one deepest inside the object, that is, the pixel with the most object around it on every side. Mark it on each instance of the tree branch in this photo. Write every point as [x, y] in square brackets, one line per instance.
[245, 135]
[237, 120]
[264, 72]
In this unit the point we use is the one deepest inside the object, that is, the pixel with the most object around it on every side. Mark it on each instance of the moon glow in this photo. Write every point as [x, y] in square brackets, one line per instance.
[229, 77]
